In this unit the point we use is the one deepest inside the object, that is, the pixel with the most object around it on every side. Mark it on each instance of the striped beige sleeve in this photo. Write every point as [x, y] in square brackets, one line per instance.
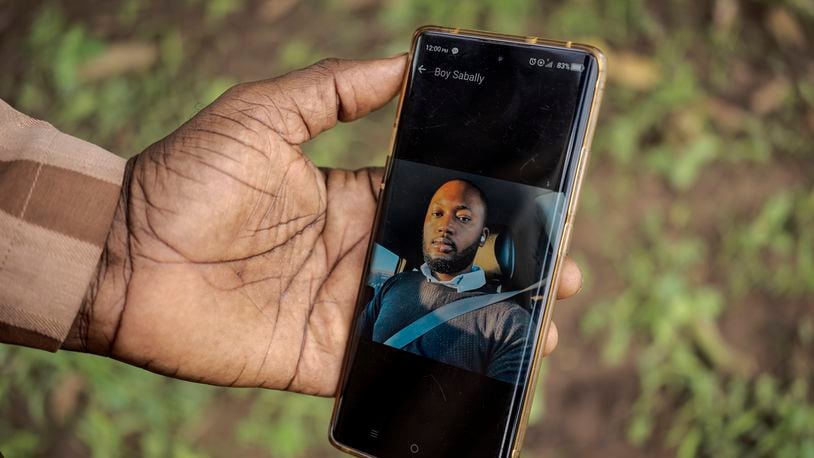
[57, 197]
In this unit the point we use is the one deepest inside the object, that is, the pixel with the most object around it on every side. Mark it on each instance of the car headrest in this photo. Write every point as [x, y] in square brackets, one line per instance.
[497, 256]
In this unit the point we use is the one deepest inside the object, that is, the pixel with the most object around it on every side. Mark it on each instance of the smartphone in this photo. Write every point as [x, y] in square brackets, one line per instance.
[489, 148]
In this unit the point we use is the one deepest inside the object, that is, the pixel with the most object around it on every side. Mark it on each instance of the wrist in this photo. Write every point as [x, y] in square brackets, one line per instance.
[96, 324]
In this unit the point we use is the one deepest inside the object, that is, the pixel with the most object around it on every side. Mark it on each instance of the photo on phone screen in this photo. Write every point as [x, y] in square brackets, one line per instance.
[460, 236]
[467, 235]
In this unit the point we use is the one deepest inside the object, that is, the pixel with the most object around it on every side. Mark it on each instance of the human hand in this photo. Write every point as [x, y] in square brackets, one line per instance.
[232, 259]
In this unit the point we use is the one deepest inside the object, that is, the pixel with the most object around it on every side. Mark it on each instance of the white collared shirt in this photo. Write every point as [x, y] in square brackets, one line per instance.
[461, 283]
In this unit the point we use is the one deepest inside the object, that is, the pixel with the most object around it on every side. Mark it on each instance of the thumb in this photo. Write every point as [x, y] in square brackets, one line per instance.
[303, 103]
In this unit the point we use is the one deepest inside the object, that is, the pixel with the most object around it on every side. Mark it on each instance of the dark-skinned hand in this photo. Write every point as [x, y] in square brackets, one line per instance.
[232, 259]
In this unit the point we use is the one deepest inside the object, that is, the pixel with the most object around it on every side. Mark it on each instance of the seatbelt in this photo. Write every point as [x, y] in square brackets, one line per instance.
[447, 312]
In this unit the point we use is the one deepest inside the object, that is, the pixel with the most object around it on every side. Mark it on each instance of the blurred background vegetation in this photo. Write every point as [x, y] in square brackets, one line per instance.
[694, 335]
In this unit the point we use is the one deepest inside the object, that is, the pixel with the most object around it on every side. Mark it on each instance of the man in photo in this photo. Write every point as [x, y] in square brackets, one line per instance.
[489, 340]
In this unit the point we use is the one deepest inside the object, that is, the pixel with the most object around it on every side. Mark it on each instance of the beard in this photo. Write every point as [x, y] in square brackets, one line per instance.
[455, 262]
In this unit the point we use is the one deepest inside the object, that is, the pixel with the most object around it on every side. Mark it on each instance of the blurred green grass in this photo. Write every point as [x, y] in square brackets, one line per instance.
[694, 232]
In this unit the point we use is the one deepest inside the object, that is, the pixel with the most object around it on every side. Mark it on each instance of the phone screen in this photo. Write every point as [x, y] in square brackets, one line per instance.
[467, 233]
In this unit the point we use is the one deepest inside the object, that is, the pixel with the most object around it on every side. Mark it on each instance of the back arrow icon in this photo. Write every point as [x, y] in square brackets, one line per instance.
[421, 69]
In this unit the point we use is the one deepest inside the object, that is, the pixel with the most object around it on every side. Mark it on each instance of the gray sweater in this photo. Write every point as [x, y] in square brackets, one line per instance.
[489, 341]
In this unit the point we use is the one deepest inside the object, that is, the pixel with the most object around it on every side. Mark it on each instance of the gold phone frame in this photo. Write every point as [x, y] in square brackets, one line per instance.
[576, 186]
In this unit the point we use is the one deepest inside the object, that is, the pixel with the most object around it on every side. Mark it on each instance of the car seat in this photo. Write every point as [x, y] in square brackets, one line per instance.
[497, 258]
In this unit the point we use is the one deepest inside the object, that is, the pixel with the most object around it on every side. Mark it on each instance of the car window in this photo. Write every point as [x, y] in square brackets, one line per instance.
[383, 265]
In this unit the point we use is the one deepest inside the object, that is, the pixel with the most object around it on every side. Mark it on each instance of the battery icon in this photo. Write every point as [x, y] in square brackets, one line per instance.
[577, 67]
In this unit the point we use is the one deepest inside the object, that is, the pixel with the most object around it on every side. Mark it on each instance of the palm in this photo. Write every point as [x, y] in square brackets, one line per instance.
[243, 257]
[246, 262]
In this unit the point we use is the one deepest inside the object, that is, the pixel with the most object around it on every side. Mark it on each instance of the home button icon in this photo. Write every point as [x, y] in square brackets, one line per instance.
[414, 448]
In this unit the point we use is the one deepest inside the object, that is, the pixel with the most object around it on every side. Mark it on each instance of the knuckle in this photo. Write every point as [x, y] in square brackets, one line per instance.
[328, 65]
